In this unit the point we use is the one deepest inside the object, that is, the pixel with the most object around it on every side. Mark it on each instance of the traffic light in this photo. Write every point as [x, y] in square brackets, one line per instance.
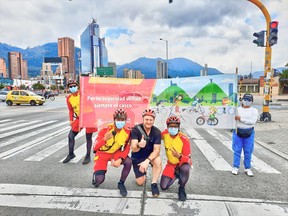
[273, 33]
[260, 38]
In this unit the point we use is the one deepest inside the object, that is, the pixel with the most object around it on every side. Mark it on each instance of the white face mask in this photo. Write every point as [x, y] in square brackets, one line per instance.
[246, 103]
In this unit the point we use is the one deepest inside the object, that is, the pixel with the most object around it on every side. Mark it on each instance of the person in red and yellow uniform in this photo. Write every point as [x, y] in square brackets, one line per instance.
[73, 104]
[178, 152]
[113, 144]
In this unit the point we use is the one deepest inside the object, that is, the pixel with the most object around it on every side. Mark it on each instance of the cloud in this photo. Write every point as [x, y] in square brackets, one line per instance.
[216, 32]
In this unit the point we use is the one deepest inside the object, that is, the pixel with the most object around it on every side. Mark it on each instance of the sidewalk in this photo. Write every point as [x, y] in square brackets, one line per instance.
[273, 135]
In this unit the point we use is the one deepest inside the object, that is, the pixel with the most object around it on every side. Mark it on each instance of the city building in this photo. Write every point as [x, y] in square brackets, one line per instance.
[113, 65]
[93, 50]
[24, 70]
[3, 73]
[132, 74]
[17, 67]
[204, 72]
[66, 50]
[161, 70]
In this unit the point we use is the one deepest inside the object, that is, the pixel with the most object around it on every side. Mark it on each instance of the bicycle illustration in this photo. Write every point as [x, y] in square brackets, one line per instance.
[226, 110]
[196, 109]
[160, 110]
[211, 119]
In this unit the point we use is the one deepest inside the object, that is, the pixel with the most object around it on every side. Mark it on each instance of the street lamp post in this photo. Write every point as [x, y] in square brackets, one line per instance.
[166, 42]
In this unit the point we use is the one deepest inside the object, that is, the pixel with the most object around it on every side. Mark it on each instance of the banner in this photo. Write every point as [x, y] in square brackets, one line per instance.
[199, 102]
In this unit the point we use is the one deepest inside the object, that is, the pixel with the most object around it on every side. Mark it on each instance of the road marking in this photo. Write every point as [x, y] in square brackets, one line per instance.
[257, 164]
[25, 129]
[37, 132]
[51, 149]
[215, 159]
[24, 147]
[3, 121]
[80, 152]
[109, 201]
[19, 125]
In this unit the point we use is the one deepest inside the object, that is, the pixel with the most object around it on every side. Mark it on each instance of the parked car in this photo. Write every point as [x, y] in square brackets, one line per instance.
[23, 97]
[3, 95]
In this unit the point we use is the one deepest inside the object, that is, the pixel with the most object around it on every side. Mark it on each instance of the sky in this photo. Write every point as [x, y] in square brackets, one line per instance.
[214, 32]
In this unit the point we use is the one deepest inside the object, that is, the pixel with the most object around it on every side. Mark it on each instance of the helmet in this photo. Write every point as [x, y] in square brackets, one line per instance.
[149, 112]
[173, 120]
[120, 113]
[71, 82]
[248, 96]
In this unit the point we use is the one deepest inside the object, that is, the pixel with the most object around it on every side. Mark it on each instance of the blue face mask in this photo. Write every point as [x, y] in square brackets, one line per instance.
[173, 131]
[120, 124]
[73, 89]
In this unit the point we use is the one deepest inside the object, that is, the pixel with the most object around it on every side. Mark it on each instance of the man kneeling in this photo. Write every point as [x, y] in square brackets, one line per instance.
[112, 144]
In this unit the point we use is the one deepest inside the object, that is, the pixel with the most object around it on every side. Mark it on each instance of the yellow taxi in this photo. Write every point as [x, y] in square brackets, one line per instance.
[23, 97]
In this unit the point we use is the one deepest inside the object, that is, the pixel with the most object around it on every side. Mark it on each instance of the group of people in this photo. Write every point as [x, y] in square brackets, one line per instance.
[140, 146]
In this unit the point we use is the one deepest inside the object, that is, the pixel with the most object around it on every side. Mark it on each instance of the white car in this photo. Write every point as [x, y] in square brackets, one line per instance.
[3, 95]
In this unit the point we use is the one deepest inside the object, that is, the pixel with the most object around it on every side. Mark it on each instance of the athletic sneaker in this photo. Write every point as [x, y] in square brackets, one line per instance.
[235, 171]
[122, 189]
[68, 158]
[86, 159]
[155, 190]
[248, 172]
[182, 194]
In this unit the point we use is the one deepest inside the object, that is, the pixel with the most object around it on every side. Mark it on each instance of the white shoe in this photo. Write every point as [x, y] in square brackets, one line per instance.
[248, 172]
[235, 171]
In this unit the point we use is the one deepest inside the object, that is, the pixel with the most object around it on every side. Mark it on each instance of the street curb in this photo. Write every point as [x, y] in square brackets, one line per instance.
[275, 151]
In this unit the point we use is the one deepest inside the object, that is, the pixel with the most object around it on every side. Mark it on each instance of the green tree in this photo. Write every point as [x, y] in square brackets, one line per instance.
[283, 79]
[38, 86]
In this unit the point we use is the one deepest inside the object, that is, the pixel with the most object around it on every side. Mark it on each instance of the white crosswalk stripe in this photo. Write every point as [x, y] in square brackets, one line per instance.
[257, 164]
[215, 159]
[18, 125]
[24, 147]
[22, 130]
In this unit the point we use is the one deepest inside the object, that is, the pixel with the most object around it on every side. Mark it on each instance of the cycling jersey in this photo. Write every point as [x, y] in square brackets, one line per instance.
[73, 104]
[116, 147]
[181, 144]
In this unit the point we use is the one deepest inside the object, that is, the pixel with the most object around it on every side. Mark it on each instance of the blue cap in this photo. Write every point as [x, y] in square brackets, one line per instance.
[248, 96]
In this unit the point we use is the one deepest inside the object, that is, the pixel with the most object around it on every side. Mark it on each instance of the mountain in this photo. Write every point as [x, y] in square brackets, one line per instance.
[35, 55]
[257, 74]
[181, 67]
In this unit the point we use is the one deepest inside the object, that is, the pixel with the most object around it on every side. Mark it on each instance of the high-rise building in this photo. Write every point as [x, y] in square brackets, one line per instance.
[93, 50]
[66, 50]
[132, 74]
[161, 70]
[113, 65]
[17, 67]
[3, 68]
[24, 69]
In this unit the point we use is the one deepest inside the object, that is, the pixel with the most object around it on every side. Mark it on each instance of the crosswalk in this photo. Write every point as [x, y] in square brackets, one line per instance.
[22, 136]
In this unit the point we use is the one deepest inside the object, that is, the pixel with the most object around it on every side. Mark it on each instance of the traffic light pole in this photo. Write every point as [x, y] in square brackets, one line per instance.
[266, 116]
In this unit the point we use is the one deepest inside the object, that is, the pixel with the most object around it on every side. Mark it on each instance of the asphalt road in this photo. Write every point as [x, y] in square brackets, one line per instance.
[34, 181]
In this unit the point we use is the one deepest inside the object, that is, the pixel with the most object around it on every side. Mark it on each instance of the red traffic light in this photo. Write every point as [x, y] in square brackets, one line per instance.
[274, 24]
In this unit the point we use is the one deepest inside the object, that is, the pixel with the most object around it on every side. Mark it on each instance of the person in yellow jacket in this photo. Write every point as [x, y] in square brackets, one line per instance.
[73, 104]
[113, 144]
[178, 153]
